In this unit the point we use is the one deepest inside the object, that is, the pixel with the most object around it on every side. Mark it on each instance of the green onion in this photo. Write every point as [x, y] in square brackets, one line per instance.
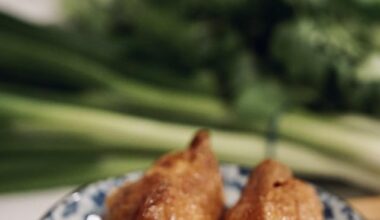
[77, 173]
[124, 131]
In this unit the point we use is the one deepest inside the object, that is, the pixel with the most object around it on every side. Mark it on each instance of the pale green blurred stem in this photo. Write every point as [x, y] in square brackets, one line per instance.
[359, 123]
[331, 137]
[82, 173]
[125, 130]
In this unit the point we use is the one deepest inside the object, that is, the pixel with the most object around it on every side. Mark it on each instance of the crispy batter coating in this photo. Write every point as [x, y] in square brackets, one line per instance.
[180, 186]
[272, 193]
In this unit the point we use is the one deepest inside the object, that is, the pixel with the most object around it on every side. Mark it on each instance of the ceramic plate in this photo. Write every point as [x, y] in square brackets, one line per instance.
[87, 203]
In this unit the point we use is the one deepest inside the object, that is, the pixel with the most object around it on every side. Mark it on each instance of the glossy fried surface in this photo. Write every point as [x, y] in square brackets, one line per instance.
[272, 193]
[179, 186]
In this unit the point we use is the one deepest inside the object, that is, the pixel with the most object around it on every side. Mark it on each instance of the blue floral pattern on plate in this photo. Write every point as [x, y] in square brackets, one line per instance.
[87, 203]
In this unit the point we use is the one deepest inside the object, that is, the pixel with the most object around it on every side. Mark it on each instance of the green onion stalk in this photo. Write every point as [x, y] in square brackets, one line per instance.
[114, 130]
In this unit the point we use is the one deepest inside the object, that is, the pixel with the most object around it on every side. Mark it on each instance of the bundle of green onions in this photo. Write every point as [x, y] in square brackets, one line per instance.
[65, 144]
[76, 107]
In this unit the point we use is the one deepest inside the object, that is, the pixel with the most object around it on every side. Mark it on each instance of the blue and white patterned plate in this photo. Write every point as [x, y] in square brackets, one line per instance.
[87, 203]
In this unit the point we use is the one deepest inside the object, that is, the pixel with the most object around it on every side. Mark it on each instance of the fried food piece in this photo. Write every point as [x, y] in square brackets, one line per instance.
[179, 186]
[272, 193]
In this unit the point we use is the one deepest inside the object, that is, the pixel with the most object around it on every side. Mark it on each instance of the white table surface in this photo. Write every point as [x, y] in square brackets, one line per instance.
[29, 205]
[35, 11]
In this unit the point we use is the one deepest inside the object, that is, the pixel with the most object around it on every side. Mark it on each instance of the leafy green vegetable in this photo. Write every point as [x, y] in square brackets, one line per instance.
[128, 73]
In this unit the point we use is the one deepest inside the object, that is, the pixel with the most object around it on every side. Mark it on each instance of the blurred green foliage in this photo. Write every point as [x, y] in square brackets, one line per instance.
[313, 46]
[227, 64]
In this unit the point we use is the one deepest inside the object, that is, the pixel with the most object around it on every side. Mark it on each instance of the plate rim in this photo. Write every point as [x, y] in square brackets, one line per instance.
[83, 186]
